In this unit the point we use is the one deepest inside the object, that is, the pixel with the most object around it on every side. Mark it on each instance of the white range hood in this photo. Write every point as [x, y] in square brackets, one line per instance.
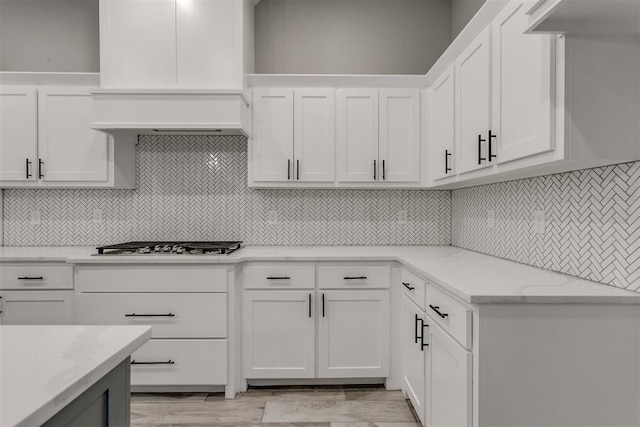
[171, 111]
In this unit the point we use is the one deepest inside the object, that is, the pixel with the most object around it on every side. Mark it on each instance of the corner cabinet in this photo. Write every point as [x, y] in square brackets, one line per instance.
[320, 137]
[46, 141]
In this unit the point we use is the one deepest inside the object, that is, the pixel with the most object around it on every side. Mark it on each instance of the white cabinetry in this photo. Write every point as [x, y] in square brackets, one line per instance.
[378, 135]
[349, 310]
[36, 293]
[46, 141]
[442, 126]
[293, 135]
[186, 307]
[473, 97]
[171, 43]
[413, 356]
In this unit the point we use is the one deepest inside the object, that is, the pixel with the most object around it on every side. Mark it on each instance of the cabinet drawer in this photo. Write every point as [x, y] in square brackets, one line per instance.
[414, 287]
[354, 276]
[454, 317]
[36, 276]
[279, 276]
[170, 315]
[195, 362]
[151, 278]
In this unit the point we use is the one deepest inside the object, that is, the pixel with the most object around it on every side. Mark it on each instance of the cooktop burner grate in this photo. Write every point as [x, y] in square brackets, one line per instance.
[170, 248]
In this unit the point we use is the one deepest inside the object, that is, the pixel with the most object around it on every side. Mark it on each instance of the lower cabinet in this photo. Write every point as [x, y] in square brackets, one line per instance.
[414, 356]
[278, 334]
[36, 308]
[291, 329]
[353, 334]
[448, 368]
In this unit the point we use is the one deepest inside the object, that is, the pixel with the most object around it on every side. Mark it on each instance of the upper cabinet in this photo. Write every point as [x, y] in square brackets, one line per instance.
[320, 137]
[175, 43]
[532, 104]
[46, 141]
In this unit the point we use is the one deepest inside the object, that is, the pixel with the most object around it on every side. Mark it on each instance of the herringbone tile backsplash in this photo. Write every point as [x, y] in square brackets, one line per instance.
[195, 187]
[592, 223]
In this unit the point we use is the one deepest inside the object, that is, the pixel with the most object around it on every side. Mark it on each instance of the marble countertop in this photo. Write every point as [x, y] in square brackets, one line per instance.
[471, 276]
[44, 368]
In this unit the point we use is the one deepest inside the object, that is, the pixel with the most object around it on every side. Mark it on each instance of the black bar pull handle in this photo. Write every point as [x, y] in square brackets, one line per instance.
[355, 277]
[40, 165]
[415, 325]
[408, 286]
[309, 305]
[384, 173]
[323, 305]
[278, 278]
[31, 278]
[374, 170]
[422, 343]
[168, 362]
[29, 175]
[150, 315]
[447, 169]
[490, 138]
[288, 169]
[436, 308]
[480, 141]
[298, 169]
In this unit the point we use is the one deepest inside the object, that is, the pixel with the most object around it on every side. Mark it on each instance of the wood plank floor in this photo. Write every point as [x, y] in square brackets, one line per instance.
[276, 407]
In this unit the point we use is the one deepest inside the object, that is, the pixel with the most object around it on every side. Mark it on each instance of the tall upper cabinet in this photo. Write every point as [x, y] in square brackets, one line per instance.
[175, 43]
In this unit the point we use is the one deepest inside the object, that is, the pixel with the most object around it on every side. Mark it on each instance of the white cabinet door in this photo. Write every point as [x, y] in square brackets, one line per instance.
[313, 135]
[399, 150]
[473, 89]
[69, 150]
[353, 333]
[442, 126]
[18, 133]
[272, 153]
[357, 135]
[209, 52]
[523, 99]
[278, 334]
[36, 308]
[413, 361]
[138, 43]
[449, 379]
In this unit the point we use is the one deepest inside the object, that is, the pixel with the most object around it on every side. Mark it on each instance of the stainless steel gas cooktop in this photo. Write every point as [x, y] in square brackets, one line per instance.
[170, 248]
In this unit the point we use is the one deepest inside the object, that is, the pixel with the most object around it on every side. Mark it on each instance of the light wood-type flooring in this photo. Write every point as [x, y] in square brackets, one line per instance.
[276, 407]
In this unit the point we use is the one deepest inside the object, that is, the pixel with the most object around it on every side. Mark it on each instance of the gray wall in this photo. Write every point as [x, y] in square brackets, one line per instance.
[351, 36]
[49, 35]
[461, 12]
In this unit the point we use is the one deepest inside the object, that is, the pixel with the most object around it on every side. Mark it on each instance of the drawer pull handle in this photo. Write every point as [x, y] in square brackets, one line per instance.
[437, 310]
[355, 278]
[309, 305]
[408, 286]
[31, 278]
[150, 315]
[169, 362]
[278, 278]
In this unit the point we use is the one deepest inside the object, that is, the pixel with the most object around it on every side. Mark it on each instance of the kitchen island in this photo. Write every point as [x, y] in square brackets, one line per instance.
[66, 375]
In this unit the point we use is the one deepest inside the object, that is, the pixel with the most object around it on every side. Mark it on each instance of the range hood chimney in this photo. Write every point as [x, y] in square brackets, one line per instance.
[171, 111]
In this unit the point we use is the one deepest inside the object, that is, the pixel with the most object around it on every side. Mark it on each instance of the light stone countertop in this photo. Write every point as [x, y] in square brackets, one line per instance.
[471, 276]
[44, 368]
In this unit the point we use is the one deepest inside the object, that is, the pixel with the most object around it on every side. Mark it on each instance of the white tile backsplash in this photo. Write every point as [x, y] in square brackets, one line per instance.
[195, 187]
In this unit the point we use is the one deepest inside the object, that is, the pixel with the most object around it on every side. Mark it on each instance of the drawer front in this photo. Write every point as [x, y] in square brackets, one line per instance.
[151, 278]
[279, 276]
[354, 276]
[454, 317]
[195, 362]
[414, 287]
[35, 276]
[192, 315]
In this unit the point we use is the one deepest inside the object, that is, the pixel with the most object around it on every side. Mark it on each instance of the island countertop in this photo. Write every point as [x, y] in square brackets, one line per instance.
[44, 368]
